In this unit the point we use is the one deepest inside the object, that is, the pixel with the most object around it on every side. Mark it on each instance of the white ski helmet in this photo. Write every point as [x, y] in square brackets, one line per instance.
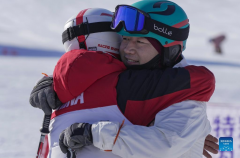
[90, 30]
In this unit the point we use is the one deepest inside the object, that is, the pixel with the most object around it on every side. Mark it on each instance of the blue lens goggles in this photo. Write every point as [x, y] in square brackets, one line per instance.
[132, 18]
[136, 21]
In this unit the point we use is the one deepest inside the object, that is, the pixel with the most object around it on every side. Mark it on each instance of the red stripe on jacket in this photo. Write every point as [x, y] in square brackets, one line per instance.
[202, 87]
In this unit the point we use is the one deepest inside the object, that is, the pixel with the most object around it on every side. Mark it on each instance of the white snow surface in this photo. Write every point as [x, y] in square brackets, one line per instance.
[39, 25]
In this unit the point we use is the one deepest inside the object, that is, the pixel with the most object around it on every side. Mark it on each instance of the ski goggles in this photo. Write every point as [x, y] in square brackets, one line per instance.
[136, 21]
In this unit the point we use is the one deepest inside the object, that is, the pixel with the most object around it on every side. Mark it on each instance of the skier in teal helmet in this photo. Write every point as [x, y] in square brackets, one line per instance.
[179, 130]
[163, 21]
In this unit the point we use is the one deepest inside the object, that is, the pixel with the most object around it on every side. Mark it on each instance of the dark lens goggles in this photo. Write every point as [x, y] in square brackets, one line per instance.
[136, 21]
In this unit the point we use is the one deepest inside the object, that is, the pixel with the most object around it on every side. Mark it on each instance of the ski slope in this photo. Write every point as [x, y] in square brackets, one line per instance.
[30, 43]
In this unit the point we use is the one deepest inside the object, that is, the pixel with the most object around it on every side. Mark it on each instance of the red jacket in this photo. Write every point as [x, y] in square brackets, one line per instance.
[140, 94]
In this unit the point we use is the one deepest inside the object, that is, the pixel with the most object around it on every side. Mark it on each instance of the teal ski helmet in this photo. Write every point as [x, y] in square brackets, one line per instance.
[168, 24]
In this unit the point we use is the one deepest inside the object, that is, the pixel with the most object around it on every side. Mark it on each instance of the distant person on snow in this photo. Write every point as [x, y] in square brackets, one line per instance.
[91, 77]
[217, 41]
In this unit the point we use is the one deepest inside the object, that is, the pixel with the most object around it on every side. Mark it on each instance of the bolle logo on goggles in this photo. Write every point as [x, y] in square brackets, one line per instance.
[163, 30]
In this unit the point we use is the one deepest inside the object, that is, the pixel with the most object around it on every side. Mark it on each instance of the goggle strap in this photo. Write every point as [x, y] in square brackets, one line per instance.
[85, 29]
[166, 31]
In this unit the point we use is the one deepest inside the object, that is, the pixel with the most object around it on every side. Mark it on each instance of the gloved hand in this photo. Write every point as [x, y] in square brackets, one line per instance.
[76, 136]
[44, 97]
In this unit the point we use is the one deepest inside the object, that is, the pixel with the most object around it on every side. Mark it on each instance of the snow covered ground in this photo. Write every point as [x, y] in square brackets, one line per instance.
[38, 25]
[19, 122]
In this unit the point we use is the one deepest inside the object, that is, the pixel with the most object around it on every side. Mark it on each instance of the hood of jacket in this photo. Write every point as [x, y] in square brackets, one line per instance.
[79, 69]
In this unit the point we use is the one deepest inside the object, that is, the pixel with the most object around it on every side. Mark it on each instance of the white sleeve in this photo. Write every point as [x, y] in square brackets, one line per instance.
[175, 131]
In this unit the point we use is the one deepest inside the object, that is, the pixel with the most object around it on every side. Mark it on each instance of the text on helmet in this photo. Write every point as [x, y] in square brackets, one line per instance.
[108, 47]
[163, 30]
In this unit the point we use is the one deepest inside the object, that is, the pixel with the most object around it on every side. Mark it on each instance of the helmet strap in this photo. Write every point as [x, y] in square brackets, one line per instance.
[82, 44]
[171, 56]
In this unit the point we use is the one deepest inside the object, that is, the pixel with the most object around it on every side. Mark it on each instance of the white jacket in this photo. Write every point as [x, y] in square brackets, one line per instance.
[179, 131]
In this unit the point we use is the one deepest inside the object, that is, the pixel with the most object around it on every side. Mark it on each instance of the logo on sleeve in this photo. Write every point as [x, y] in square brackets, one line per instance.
[74, 101]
